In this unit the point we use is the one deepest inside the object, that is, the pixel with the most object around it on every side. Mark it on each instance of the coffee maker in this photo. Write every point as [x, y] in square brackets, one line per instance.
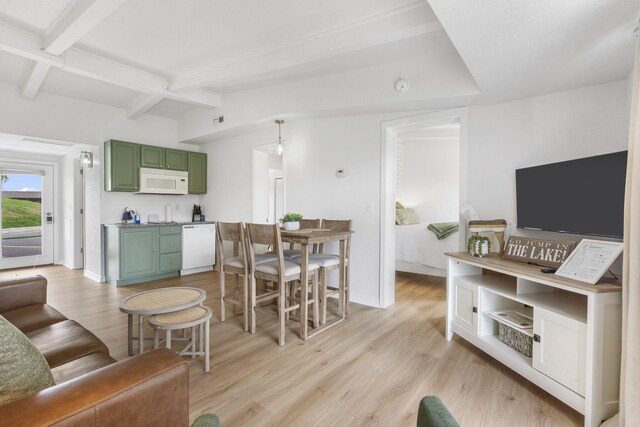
[197, 214]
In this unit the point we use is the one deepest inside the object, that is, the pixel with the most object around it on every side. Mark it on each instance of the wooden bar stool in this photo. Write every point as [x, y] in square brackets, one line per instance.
[196, 318]
[280, 272]
[328, 262]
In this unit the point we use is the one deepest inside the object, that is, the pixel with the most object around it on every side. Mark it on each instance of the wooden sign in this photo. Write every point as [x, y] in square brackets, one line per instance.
[549, 253]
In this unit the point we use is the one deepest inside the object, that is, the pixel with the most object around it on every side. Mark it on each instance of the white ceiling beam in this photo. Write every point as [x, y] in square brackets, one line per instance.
[26, 45]
[99, 68]
[35, 79]
[399, 24]
[142, 104]
[76, 21]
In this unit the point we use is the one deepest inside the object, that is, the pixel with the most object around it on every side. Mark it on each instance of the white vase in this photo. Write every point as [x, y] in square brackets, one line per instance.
[295, 225]
[480, 249]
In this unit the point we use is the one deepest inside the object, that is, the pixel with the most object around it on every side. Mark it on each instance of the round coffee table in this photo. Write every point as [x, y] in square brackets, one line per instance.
[181, 320]
[157, 301]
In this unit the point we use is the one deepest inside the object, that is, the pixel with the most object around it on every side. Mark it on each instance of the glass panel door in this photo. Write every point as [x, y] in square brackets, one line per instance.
[26, 206]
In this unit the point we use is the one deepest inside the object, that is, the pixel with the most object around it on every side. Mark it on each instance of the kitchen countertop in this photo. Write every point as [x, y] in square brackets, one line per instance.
[165, 224]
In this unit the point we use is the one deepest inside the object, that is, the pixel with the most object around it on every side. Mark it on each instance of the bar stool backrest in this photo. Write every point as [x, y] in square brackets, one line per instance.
[231, 232]
[264, 234]
[306, 224]
[338, 225]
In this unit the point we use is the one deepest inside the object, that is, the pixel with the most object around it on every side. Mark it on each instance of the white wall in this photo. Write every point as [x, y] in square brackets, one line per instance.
[260, 187]
[313, 151]
[500, 137]
[430, 178]
[55, 117]
[534, 131]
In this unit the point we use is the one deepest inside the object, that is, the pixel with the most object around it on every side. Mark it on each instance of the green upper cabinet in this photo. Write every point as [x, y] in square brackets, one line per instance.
[122, 165]
[197, 173]
[152, 156]
[176, 160]
[123, 160]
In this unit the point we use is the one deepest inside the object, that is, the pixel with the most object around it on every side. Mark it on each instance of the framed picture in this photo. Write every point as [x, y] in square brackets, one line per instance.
[590, 260]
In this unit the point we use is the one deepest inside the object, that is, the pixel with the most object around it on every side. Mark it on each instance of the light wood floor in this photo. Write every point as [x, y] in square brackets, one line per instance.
[371, 370]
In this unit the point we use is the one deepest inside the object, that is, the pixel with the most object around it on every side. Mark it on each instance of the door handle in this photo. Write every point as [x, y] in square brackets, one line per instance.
[49, 218]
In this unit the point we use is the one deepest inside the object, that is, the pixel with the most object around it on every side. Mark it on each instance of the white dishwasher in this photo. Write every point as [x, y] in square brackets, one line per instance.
[198, 248]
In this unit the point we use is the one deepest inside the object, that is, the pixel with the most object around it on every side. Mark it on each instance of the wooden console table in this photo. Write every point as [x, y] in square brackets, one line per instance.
[576, 328]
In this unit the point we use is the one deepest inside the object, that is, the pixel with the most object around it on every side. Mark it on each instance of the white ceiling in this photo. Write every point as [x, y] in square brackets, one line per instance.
[171, 57]
[176, 37]
[522, 48]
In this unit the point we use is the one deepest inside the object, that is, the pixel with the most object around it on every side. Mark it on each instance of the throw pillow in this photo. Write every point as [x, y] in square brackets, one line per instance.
[399, 205]
[407, 216]
[23, 369]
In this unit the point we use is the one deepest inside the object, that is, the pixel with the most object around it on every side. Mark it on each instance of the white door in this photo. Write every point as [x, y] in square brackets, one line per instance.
[27, 214]
[465, 305]
[559, 348]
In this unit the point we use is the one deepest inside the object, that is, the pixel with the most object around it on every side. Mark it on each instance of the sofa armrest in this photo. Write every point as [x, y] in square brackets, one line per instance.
[18, 293]
[150, 389]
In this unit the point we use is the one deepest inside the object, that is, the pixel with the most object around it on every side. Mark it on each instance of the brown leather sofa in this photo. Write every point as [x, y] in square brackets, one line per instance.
[92, 388]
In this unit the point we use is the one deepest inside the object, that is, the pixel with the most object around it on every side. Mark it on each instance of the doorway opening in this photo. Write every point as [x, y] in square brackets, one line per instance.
[26, 219]
[434, 190]
[427, 198]
[268, 184]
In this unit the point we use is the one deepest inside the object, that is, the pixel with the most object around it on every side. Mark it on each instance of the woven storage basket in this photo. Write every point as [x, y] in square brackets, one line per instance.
[515, 339]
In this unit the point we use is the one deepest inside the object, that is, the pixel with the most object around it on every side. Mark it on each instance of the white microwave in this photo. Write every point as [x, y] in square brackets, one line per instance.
[163, 181]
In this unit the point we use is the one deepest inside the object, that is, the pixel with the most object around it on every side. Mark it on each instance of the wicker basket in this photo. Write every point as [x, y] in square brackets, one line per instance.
[515, 339]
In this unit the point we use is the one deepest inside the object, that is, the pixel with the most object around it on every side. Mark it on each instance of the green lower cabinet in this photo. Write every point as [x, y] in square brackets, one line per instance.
[138, 252]
[170, 262]
[142, 253]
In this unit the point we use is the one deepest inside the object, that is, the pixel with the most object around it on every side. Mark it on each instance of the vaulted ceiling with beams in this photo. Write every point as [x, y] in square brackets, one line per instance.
[170, 57]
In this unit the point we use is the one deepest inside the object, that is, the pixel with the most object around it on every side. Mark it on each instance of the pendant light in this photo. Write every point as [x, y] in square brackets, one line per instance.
[280, 146]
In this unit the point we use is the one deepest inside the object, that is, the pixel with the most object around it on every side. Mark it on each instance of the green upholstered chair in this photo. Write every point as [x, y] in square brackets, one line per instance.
[433, 413]
[207, 420]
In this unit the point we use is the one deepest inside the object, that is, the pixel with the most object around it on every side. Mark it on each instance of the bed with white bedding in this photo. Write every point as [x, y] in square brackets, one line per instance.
[418, 250]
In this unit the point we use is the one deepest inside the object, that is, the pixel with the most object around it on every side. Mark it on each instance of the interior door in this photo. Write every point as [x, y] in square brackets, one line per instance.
[27, 220]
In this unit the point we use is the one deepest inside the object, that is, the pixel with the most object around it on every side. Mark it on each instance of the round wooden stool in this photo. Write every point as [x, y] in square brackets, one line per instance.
[181, 320]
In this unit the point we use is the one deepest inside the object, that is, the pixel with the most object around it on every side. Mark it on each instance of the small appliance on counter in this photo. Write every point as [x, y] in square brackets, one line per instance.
[127, 215]
[197, 214]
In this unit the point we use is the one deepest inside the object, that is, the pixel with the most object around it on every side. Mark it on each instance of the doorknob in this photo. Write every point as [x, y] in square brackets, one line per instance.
[49, 218]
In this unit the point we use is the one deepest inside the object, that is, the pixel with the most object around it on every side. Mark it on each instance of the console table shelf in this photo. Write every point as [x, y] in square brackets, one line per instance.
[576, 327]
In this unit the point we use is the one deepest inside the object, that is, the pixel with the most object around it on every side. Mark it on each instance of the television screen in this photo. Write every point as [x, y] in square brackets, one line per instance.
[583, 196]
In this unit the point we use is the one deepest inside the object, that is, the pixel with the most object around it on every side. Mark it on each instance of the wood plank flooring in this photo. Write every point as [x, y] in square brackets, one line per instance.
[371, 370]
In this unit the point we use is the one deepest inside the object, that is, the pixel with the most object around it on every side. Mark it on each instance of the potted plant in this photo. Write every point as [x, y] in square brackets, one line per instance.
[291, 221]
[479, 246]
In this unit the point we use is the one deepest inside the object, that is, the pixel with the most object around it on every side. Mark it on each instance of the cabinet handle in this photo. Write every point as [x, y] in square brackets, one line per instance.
[171, 231]
[536, 337]
[475, 309]
[155, 250]
[171, 244]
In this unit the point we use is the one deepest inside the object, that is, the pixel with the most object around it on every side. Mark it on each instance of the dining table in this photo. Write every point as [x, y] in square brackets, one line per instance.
[308, 238]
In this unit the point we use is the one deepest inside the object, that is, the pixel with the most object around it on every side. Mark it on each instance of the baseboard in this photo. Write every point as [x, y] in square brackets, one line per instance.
[364, 300]
[93, 276]
[410, 267]
[196, 270]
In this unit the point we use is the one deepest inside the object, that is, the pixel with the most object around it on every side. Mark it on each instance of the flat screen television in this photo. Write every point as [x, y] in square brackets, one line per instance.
[582, 196]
